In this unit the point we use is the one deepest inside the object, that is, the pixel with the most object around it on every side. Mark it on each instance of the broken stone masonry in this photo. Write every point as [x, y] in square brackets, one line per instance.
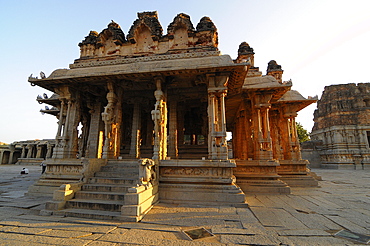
[341, 133]
[144, 117]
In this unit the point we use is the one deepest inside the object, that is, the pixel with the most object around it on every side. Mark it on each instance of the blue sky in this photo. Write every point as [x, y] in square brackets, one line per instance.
[317, 43]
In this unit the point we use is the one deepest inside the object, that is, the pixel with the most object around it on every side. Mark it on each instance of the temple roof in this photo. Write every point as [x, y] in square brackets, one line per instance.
[294, 97]
[145, 68]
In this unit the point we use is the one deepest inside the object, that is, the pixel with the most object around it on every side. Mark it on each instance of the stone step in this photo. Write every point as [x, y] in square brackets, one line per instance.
[103, 205]
[125, 162]
[117, 168]
[89, 214]
[106, 187]
[113, 181]
[193, 147]
[55, 182]
[96, 195]
[121, 175]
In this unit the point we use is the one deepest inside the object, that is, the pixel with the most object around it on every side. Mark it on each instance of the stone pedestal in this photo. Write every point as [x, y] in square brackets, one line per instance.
[203, 182]
[259, 176]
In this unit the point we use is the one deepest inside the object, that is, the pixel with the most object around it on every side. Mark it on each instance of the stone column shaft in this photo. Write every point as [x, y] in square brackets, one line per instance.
[61, 119]
[112, 117]
[135, 134]
[39, 151]
[1, 156]
[49, 151]
[23, 155]
[172, 139]
[30, 151]
[217, 146]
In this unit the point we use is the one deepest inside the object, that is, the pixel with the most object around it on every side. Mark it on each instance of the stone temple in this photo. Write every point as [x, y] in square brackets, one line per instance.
[144, 117]
[341, 133]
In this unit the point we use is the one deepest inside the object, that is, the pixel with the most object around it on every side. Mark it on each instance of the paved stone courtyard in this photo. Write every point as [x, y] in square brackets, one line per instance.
[308, 216]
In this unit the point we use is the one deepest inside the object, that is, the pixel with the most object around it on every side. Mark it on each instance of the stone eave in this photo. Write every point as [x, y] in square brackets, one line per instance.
[299, 104]
[51, 101]
[266, 83]
[50, 111]
[293, 97]
[133, 71]
[263, 83]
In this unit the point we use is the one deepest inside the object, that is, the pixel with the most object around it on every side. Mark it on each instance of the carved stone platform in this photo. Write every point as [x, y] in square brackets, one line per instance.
[63, 171]
[295, 173]
[259, 176]
[29, 161]
[203, 182]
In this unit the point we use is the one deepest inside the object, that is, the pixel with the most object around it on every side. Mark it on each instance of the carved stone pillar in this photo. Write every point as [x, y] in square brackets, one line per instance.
[30, 150]
[60, 142]
[23, 155]
[49, 151]
[70, 133]
[294, 140]
[61, 118]
[217, 144]
[258, 173]
[159, 116]
[285, 138]
[242, 134]
[69, 118]
[262, 138]
[112, 117]
[180, 124]
[277, 150]
[293, 169]
[135, 134]
[39, 151]
[96, 125]
[11, 155]
[172, 139]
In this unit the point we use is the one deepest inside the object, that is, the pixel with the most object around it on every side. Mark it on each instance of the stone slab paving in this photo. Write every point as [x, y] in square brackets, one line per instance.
[308, 216]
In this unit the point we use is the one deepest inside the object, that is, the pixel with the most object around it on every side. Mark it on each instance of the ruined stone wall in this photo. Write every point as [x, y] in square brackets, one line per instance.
[342, 123]
[347, 104]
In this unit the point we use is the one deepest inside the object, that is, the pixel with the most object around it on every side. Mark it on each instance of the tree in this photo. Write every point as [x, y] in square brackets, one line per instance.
[302, 133]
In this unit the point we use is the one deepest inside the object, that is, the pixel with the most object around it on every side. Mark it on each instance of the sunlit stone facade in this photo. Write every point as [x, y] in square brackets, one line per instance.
[172, 98]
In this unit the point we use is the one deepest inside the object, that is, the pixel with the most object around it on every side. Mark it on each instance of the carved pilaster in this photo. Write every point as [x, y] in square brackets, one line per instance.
[159, 116]
[112, 117]
[217, 145]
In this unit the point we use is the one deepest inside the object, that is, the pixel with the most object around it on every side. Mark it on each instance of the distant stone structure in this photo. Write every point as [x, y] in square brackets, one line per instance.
[342, 124]
[145, 116]
[9, 153]
[28, 152]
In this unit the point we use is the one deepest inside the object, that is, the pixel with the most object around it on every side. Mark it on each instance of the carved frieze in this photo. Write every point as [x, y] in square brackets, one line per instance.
[195, 171]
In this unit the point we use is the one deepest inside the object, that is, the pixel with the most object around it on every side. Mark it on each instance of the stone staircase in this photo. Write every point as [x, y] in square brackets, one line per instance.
[193, 151]
[103, 195]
